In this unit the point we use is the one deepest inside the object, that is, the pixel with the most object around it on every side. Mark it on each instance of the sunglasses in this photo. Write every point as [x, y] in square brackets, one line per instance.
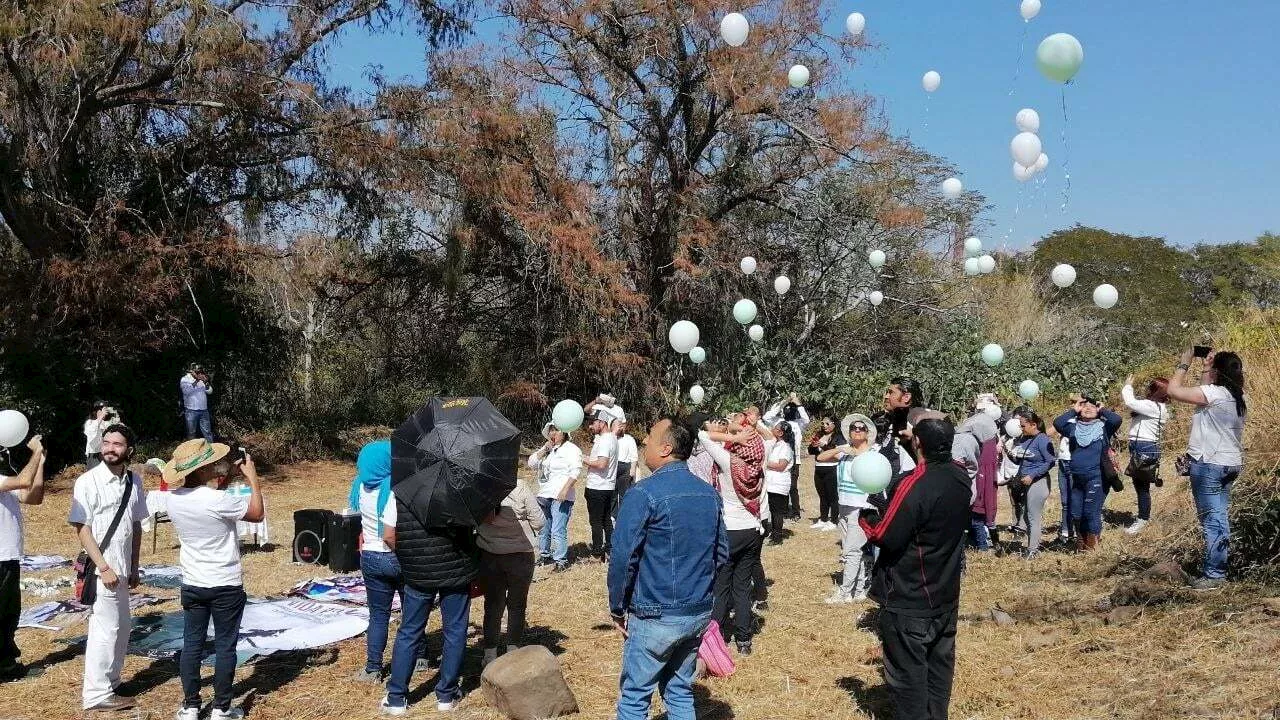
[858, 427]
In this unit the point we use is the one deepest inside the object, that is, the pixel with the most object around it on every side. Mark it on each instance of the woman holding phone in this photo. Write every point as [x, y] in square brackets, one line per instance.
[1147, 420]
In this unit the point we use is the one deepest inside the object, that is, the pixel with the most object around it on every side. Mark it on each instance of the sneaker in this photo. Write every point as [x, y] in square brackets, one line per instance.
[364, 676]
[560, 567]
[187, 713]
[818, 525]
[1030, 555]
[1205, 583]
[490, 654]
[744, 647]
[1136, 527]
[838, 597]
[859, 596]
[449, 706]
[546, 560]
[425, 664]
[830, 526]
[760, 606]
[388, 709]
[234, 713]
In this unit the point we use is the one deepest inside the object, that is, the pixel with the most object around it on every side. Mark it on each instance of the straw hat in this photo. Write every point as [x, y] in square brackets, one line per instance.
[847, 422]
[191, 456]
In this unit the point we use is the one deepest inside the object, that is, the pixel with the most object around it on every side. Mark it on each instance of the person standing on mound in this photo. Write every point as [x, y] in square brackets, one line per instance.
[916, 579]
[669, 543]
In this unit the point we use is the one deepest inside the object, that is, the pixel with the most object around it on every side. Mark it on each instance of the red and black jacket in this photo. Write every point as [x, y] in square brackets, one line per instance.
[921, 541]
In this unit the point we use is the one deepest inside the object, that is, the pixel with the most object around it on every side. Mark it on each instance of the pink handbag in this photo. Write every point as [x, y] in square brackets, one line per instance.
[714, 653]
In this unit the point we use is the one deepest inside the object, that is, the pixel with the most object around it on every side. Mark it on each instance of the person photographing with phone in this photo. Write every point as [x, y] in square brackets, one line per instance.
[196, 389]
[101, 417]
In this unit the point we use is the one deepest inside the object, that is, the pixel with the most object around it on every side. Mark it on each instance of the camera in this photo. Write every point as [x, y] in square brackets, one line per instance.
[111, 414]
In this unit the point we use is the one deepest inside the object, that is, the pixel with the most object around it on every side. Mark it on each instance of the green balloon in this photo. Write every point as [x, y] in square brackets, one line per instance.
[1059, 57]
[744, 311]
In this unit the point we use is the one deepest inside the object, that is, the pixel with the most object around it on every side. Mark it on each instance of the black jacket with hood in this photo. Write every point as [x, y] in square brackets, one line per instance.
[434, 558]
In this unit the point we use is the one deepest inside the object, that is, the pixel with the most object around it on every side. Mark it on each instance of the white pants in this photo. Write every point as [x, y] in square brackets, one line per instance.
[109, 626]
[857, 566]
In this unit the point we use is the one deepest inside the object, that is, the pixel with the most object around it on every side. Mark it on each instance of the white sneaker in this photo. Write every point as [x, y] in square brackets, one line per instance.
[389, 709]
[830, 526]
[1136, 527]
[234, 713]
[447, 706]
[187, 713]
[490, 654]
[838, 597]
[818, 525]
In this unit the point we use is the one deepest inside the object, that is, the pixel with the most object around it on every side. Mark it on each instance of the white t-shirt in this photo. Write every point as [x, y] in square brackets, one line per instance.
[10, 525]
[1216, 430]
[627, 450]
[93, 436]
[557, 468]
[604, 446]
[778, 481]
[369, 519]
[205, 520]
[94, 501]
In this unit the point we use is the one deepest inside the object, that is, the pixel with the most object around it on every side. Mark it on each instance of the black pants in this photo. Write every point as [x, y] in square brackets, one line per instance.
[225, 606]
[599, 507]
[824, 481]
[777, 513]
[734, 582]
[623, 484]
[10, 609]
[919, 662]
[506, 579]
[795, 491]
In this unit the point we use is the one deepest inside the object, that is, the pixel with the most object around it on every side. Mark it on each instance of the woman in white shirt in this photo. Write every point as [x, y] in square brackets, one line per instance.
[780, 455]
[559, 463]
[860, 432]
[1216, 450]
[371, 495]
[1147, 420]
[98, 421]
[628, 456]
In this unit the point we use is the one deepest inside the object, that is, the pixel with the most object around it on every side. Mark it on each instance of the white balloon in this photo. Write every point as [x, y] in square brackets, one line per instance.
[13, 428]
[992, 411]
[1027, 120]
[756, 333]
[1025, 148]
[992, 354]
[1029, 390]
[951, 188]
[798, 76]
[1063, 275]
[1029, 9]
[747, 265]
[855, 24]
[683, 336]
[696, 393]
[567, 415]
[781, 284]
[744, 311]
[734, 29]
[971, 266]
[986, 264]
[931, 81]
[972, 247]
[1013, 428]
[870, 472]
[1042, 162]
[698, 355]
[1022, 174]
[876, 258]
[875, 298]
[1106, 296]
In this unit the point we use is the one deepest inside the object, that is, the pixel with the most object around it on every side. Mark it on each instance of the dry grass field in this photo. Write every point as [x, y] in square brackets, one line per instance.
[1185, 655]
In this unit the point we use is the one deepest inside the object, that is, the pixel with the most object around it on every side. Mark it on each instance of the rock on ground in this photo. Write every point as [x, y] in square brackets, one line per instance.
[528, 684]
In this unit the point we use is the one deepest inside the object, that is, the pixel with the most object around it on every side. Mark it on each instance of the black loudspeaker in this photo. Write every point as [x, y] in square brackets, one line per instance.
[344, 542]
[311, 536]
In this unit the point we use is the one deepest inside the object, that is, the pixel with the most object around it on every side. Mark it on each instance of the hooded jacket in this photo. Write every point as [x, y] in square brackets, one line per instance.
[921, 541]
[975, 448]
[434, 558]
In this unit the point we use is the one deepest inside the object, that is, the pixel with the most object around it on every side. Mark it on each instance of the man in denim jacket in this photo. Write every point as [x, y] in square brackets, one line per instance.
[668, 543]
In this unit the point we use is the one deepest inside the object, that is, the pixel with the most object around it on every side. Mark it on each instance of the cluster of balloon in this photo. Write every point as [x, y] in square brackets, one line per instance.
[747, 265]
[567, 415]
[1013, 428]
[744, 311]
[871, 472]
[697, 355]
[696, 394]
[798, 76]
[1028, 390]
[734, 29]
[875, 298]
[1062, 275]
[1106, 296]
[992, 354]
[951, 188]
[855, 24]
[683, 336]
[876, 259]
[1029, 157]
[781, 284]
[756, 333]
[13, 428]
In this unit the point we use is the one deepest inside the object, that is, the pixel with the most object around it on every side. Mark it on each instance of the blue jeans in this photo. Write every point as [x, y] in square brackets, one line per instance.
[979, 535]
[455, 610]
[1087, 498]
[1211, 488]
[660, 653]
[225, 606]
[1146, 451]
[382, 580]
[555, 529]
[199, 424]
[1064, 493]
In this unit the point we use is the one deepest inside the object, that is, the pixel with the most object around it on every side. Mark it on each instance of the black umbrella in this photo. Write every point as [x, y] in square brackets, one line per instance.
[454, 461]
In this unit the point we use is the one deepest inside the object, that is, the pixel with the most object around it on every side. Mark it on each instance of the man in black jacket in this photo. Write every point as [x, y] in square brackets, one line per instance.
[916, 579]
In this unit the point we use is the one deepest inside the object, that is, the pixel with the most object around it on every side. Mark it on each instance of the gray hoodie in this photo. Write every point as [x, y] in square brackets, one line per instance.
[967, 446]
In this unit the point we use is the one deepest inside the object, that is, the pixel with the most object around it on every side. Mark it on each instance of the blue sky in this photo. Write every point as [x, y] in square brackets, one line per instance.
[1173, 123]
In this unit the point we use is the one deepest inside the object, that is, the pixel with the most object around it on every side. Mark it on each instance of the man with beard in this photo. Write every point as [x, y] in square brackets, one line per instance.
[107, 509]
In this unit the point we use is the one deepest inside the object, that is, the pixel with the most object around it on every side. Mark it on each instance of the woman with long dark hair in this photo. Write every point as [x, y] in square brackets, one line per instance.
[1036, 451]
[824, 475]
[1147, 420]
[1216, 450]
[777, 476]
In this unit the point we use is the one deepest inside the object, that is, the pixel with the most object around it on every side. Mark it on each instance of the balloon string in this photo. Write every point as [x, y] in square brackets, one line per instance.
[927, 99]
[1017, 67]
[1066, 154]
[1016, 208]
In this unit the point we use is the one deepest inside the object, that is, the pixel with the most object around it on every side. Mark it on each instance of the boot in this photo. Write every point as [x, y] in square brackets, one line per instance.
[1090, 541]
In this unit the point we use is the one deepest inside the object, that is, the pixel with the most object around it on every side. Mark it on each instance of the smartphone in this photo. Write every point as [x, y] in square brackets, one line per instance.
[1202, 351]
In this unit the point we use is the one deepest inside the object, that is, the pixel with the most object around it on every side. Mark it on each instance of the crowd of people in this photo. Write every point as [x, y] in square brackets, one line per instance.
[685, 545]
